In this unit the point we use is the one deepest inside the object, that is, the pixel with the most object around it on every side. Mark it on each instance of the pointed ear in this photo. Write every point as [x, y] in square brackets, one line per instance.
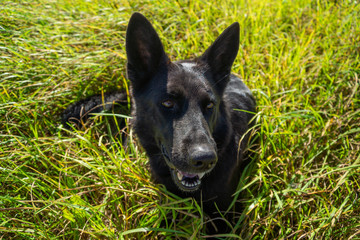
[145, 52]
[221, 54]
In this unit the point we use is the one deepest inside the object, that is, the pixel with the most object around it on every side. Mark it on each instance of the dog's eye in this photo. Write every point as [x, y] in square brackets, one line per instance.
[168, 103]
[210, 105]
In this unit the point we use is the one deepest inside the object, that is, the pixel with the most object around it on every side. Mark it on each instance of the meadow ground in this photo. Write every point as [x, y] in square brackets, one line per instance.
[300, 58]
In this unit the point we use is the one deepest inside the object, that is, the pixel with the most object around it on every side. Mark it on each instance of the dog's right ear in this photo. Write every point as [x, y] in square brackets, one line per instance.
[221, 54]
[145, 52]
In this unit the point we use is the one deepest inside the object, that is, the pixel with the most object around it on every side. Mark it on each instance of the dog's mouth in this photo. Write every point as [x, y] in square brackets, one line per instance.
[187, 182]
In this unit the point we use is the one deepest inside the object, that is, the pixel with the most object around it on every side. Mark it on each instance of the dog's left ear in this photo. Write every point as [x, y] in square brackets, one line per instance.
[221, 54]
[145, 52]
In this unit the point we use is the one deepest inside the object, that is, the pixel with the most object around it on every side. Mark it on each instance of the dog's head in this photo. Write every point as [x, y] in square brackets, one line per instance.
[178, 104]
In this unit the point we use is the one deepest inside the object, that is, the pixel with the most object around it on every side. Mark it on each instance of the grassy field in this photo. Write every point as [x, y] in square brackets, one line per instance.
[300, 58]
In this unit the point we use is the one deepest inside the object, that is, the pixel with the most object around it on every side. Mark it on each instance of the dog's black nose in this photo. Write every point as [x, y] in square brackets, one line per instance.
[203, 158]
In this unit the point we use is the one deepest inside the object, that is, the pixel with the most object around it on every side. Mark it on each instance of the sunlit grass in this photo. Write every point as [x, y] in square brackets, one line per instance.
[300, 58]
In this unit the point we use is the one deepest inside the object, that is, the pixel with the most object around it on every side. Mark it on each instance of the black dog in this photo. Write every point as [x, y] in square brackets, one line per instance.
[192, 117]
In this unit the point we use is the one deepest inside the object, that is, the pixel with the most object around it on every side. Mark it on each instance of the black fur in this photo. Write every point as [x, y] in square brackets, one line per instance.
[79, 112]
[192, 117]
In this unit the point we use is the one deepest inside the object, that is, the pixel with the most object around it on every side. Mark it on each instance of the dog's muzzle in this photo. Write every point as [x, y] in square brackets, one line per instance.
[188, 182]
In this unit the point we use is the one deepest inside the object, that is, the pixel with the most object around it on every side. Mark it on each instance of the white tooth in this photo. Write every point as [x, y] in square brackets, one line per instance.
[179, 175]
[192, 184]
[200, 175]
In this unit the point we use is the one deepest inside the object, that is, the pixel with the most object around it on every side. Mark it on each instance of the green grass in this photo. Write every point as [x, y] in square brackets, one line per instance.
[300, 58]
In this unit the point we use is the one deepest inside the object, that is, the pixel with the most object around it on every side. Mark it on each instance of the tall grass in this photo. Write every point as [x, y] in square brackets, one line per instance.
[300, 58]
